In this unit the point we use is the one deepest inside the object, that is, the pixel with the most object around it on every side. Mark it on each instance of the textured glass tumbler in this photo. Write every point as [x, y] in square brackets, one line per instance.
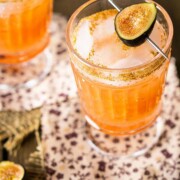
[24, 36]
[120, 103]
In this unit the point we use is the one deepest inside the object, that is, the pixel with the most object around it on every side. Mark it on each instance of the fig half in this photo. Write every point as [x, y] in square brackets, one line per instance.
[134, 23]
[11, 171]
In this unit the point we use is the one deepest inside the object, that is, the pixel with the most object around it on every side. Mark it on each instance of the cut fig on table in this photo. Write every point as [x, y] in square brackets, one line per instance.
[11, 171]
[134, 23]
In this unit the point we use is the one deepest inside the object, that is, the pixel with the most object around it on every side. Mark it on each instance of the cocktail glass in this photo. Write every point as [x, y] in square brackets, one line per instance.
[24, 61]
[121, 106]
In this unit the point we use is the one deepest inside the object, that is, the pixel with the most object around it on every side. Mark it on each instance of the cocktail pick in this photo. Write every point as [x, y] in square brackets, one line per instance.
[153, 44]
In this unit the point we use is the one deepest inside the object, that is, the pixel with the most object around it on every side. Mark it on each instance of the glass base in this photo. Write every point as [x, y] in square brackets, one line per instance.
[26, 74]
[125, 147]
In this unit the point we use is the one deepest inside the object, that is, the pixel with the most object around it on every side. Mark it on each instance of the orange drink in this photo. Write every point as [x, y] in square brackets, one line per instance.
[120, 87]
[121, 110]
[23, 29]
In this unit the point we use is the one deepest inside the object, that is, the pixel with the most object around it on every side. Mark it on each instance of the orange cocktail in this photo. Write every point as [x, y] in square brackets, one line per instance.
[122, 110]
[23, 29]
[120, 87]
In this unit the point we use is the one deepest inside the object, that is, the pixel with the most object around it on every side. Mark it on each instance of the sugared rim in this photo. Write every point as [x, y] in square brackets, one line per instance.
[71, 48]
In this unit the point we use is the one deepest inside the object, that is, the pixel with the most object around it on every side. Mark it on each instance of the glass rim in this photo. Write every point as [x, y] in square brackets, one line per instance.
[88, 63]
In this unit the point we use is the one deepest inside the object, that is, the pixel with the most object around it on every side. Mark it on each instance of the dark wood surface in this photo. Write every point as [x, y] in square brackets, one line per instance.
[1, 155]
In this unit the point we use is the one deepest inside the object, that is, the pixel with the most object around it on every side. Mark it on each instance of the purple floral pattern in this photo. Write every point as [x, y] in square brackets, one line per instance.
[70, 156]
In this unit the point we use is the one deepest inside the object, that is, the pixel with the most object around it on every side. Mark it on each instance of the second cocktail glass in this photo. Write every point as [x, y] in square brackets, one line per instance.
[24, 34]
[118, 101]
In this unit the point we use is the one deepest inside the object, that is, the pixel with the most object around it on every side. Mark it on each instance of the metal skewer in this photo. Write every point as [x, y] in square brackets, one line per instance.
[156, 47]
[147, 38]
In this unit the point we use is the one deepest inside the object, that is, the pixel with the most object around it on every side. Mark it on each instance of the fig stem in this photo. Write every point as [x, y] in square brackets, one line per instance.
[153, 44]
